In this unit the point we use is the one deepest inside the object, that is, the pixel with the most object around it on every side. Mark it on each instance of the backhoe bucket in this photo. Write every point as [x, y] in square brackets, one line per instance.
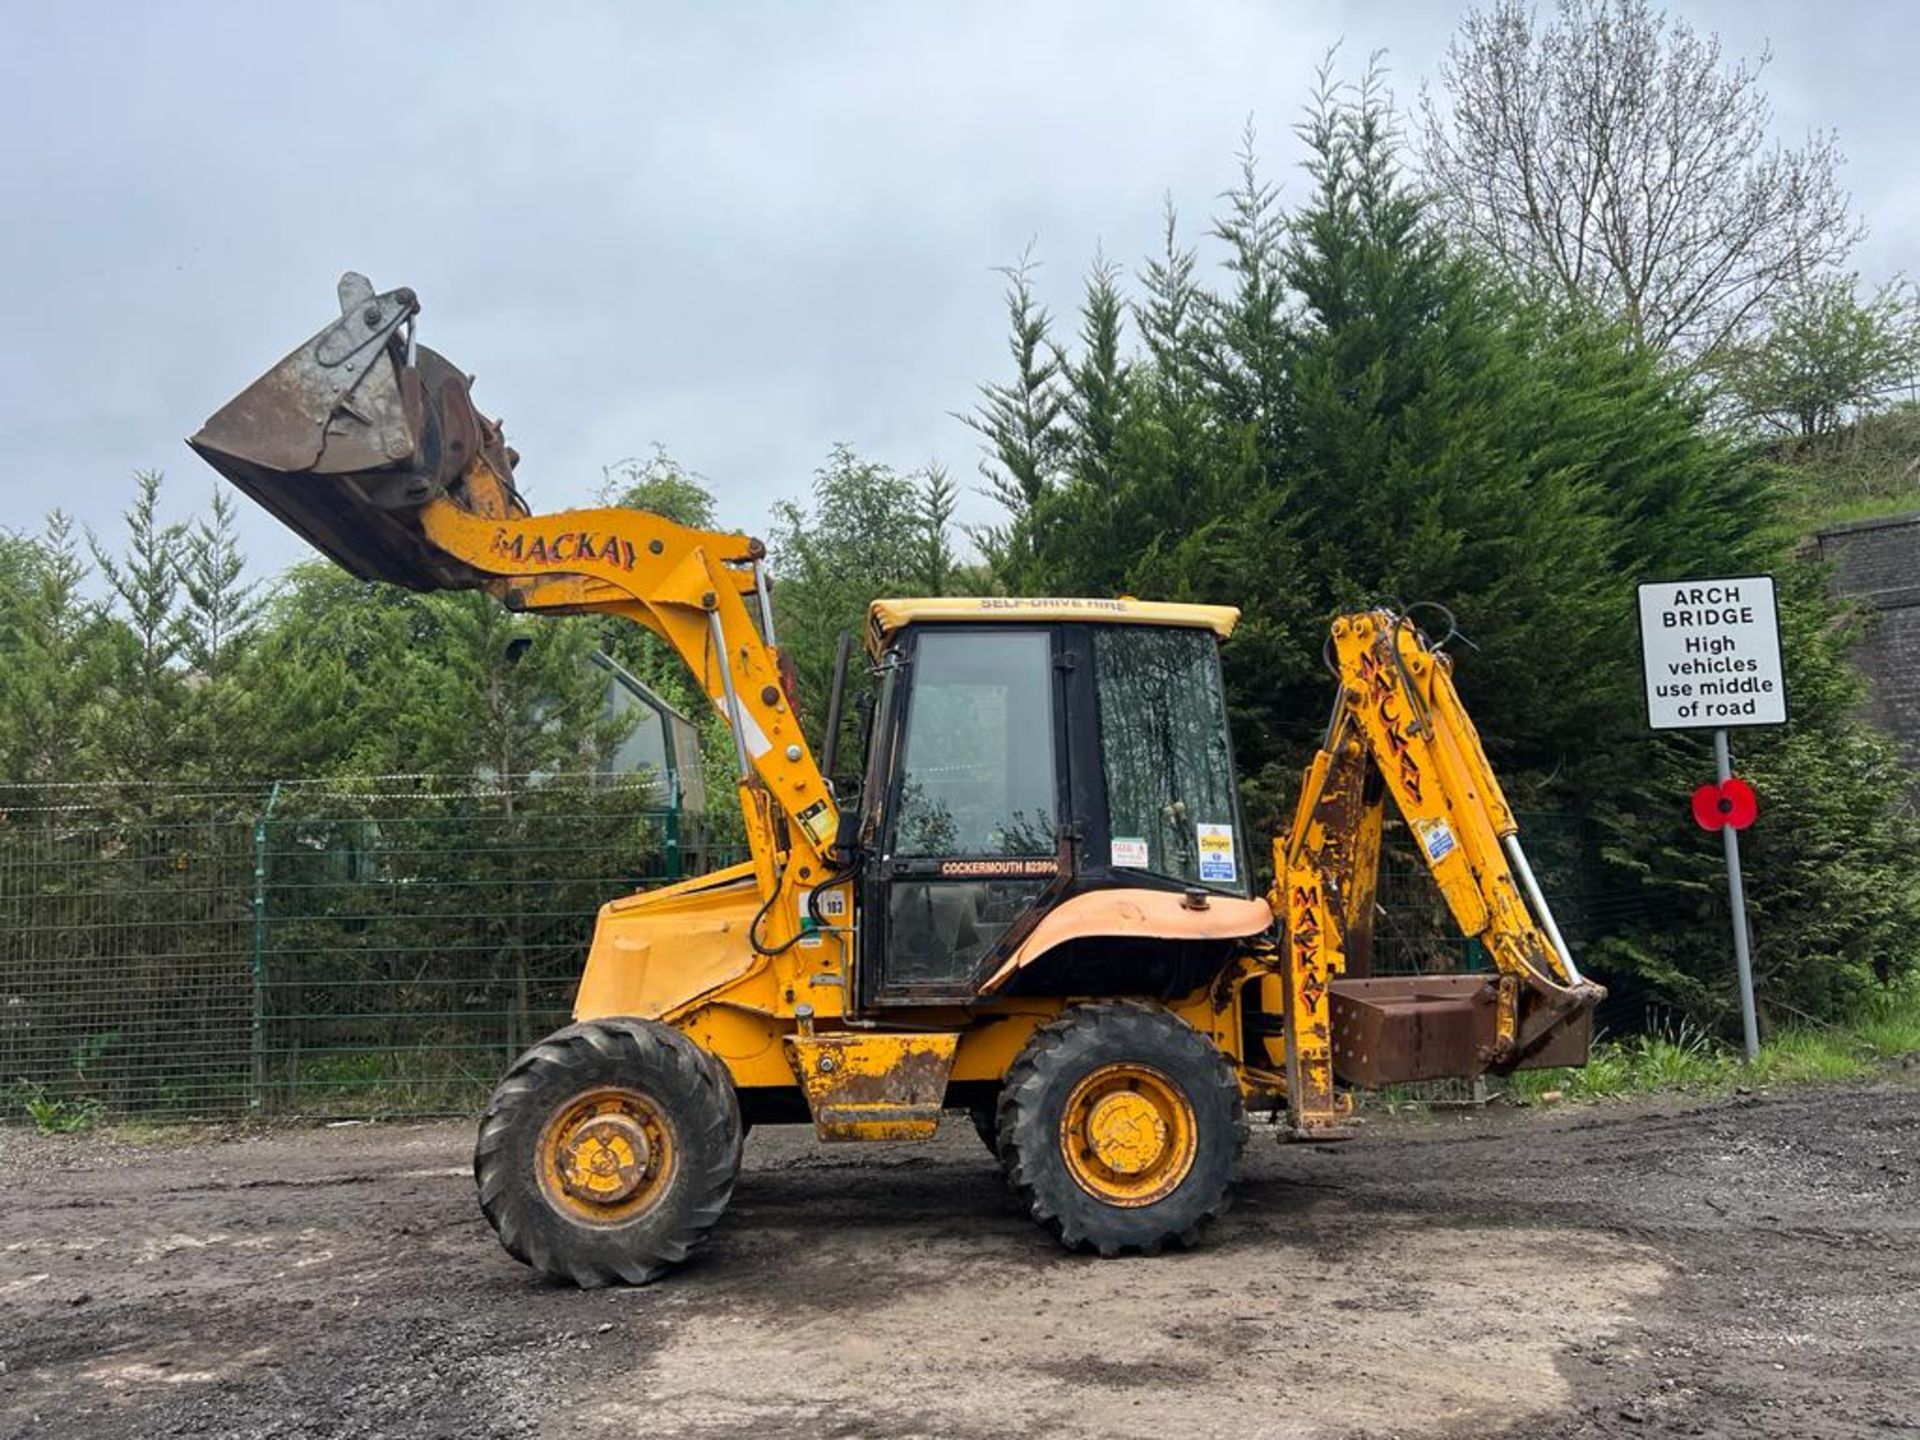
[350, 435]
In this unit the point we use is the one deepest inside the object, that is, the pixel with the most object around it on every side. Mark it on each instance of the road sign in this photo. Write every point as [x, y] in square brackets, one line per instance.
[1711, 652]
[1711, 656]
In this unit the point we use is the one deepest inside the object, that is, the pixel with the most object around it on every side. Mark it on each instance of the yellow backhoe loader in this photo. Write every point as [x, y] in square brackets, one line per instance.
[1041, 908]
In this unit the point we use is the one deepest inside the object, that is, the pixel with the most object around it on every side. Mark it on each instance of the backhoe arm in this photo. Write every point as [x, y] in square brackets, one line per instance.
[1398, 730]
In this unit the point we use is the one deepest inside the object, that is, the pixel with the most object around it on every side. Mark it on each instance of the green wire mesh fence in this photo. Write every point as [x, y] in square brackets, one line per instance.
[383, 947]
[346, 947]
[406, 952]
[124, 935]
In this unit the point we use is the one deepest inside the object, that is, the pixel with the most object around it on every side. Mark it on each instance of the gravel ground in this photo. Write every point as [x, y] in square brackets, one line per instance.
[1737, 1268]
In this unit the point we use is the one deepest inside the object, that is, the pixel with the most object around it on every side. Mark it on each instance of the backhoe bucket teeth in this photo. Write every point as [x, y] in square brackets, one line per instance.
[349, 436]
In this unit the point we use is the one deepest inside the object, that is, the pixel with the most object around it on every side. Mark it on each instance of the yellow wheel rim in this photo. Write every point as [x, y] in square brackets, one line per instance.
[606, 1156]
[1128, 1135]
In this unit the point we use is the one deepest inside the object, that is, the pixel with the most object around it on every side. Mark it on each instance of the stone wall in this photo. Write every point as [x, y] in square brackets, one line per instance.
[1878, 563]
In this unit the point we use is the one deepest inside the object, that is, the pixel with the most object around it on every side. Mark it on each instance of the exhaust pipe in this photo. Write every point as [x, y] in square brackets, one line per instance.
[350, 435]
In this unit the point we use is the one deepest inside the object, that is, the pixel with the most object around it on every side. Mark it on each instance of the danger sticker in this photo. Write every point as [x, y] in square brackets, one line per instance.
[1130, 851]
[1217, 859]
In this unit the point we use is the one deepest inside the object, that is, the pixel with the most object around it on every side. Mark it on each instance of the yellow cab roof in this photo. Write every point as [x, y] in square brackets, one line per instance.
[887, 616]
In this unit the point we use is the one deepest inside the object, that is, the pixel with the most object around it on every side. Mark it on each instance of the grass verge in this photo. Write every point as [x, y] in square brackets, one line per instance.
[1681, 1056]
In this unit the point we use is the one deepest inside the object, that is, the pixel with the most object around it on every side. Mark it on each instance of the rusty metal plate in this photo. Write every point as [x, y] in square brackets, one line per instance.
[1390, 1030]
[874, 1086]
[1434, 1027]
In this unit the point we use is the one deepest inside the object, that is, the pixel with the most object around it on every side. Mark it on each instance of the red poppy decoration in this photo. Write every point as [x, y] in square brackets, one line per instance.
[1731, 802]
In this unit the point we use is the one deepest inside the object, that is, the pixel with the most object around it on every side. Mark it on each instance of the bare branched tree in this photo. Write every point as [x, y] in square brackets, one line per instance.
[1613, 155]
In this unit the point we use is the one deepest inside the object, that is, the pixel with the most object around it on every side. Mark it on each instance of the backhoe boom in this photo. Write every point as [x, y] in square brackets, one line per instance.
[1399, 729]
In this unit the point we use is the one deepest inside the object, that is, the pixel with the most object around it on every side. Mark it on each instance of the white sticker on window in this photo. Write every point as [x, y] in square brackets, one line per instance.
[1131, 851]
[1217, 862]
[1437, 836]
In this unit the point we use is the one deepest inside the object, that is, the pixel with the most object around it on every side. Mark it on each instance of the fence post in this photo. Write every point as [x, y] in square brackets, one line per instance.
[258, 1039]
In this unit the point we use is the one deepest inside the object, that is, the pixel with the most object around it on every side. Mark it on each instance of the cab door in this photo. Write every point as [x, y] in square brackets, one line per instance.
[970, 845]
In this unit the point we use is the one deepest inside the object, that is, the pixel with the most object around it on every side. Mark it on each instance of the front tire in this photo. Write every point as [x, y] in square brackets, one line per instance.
[1120, 1127]
[608, 1152]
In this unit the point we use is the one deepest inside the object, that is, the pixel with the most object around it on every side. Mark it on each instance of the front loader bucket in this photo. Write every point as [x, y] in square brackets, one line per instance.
[349, 436]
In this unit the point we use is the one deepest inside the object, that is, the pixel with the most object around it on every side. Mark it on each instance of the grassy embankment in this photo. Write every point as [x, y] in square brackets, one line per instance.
[1870, 469]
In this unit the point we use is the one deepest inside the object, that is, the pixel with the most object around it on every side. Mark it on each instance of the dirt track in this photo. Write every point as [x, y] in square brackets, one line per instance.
[1747, 1268]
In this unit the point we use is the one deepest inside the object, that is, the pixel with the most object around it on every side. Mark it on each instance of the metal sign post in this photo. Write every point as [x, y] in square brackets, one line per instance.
[1711, 656]
[1737, 896]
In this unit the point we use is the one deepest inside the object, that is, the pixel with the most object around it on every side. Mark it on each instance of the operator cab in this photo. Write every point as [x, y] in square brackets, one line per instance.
[1020, 753]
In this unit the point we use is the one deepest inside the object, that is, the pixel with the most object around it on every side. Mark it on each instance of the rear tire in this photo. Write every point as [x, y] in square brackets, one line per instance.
[1120, 1128]
[986, 1124]
[608, 1152]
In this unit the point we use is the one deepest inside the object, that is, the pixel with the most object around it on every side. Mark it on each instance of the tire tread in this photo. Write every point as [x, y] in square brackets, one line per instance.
[617, 1050]
[1073, 1039]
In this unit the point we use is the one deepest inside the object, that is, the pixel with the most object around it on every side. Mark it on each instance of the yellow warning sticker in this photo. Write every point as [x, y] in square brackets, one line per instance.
[1218, 862]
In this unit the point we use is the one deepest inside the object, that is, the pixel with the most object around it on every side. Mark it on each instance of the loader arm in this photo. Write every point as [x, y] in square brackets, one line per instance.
[1399, 730]
[370, 447]
[690, 588]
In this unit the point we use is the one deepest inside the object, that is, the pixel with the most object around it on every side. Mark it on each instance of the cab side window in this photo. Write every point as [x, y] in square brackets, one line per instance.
[1166, 756]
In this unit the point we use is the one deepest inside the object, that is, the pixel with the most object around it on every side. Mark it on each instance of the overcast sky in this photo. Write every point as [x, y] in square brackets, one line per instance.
[741, 231]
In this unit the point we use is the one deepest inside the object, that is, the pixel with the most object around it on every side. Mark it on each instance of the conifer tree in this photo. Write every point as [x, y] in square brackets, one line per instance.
[1361, 414]
[1247, 362]
[142, 721]
[937, 498]
[338, 675]
[1180, 482]
[1020, 420]
[1096, 397]
[217, 624]
[57, 660]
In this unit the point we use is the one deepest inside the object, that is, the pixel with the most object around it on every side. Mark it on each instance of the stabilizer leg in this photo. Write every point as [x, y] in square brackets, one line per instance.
[1316, 1110]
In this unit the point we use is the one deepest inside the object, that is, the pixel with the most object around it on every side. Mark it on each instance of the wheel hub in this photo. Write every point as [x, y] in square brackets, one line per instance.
[606, 1156]
[605, 1160]
[1126, 1133]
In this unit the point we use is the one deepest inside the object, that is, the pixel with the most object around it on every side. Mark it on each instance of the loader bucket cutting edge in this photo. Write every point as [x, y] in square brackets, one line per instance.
[349, 436]
[342, 516]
